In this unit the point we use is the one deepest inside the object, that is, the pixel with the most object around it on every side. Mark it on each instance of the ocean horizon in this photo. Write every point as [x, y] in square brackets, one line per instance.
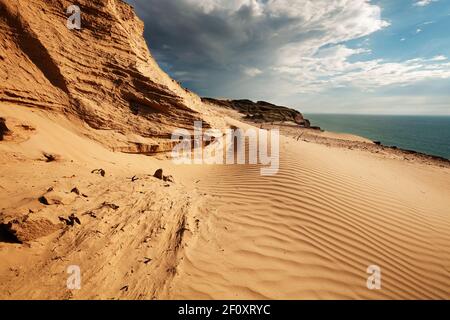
[422, 133]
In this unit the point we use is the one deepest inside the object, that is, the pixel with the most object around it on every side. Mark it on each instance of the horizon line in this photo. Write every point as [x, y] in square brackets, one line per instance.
[376, 114]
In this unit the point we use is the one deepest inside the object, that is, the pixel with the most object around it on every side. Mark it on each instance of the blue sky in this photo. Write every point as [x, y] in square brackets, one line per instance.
[345, 56]
[414, 31]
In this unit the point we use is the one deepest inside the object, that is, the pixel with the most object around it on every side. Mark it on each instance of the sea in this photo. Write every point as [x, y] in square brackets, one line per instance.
[426, 134]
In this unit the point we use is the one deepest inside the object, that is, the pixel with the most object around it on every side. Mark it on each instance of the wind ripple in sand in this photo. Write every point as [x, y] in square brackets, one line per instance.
[311, 232]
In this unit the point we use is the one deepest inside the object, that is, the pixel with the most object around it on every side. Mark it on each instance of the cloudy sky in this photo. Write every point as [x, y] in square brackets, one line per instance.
[336, 56]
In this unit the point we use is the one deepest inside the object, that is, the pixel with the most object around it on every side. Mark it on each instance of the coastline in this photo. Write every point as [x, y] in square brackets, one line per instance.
[351, 141]
[341, 140]
[422, 134]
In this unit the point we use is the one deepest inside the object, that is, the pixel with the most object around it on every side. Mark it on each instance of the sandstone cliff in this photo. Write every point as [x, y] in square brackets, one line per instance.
[102, 74]
[262, 111]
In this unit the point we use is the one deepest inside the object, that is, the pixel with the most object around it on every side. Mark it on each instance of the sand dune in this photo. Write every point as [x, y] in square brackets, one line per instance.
[222, 232]
[311, 231]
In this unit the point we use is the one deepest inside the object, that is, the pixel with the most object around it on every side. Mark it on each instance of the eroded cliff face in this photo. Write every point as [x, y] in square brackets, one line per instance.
[261, 111]
[103, 73]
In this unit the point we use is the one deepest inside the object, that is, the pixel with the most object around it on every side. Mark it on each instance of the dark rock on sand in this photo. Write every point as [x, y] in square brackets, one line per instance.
[44, 201]
[49, 157]
[3, 128]
[71, 220]
[99, 171]
[262, 111]
[158, 174]
[109, 205]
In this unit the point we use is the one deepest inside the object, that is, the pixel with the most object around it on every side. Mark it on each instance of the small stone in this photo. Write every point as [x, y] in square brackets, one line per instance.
[168, 179]
[159, 174]
[99, 171]
[44, 201]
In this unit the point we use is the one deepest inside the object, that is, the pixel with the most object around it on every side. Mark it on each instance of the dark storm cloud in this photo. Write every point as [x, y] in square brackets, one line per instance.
[209, 51]
[214, 46]
[284, 51]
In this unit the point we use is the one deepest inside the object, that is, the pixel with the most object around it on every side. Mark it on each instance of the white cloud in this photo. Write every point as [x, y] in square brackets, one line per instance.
[418, 30]
[252, 72]
[330, 68]
[211, 6]
[423, 3]
[439, 58]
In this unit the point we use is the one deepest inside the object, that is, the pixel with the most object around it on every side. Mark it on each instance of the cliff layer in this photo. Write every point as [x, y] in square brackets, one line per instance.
[261, 111]
[102, 73]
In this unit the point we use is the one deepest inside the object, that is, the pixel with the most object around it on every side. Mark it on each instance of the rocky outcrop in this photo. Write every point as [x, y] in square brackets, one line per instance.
[262, 111]
[103, 73]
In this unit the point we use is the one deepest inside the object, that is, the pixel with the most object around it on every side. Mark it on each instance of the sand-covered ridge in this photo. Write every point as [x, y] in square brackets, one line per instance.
[221, 232]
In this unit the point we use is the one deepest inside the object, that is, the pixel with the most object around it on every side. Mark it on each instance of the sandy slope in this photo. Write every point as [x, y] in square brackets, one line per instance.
[131, 232]
[221, 231]
[311, 231]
